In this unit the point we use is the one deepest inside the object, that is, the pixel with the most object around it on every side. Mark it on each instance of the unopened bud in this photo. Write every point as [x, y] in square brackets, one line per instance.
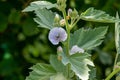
[59, 58]
[67, 17]
[73, 14]
[59, 49]
[62, 22]
[61, 4]
[57, 18]
[69, 12]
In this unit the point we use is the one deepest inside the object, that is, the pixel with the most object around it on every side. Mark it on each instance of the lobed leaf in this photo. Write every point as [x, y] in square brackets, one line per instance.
[45, 18]
[92, 73]
[88, 39]
[92, 14]
[79, 64]
[41, 72]
[39, 5]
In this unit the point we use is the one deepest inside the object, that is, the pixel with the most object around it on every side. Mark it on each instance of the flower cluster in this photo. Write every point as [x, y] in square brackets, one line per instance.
[57, 35]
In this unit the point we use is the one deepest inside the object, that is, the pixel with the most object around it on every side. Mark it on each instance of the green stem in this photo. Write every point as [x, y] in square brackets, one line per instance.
[75, 22]
[67, 45]
[113, 73]
[68, 32]
[115, 62]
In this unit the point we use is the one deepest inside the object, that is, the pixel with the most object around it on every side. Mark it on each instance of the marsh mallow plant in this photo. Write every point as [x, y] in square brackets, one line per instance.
[73, 60]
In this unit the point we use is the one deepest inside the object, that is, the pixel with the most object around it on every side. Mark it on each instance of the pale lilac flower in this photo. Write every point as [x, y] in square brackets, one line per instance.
[76, 49]
[57, 35]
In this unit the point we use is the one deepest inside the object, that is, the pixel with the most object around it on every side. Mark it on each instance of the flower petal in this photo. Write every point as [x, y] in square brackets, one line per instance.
[57, 35]
[76, 49]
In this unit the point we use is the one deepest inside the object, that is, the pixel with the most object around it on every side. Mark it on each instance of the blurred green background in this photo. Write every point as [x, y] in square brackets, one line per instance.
[22, 43]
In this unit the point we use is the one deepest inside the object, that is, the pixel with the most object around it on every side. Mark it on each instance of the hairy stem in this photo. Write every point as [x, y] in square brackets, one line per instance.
[68, 32]
[67, 45]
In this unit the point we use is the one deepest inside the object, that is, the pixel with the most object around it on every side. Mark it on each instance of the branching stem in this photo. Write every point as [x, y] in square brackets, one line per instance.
[67, 45]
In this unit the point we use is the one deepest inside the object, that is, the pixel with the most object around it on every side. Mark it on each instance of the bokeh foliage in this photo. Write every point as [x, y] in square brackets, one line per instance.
[23, 44]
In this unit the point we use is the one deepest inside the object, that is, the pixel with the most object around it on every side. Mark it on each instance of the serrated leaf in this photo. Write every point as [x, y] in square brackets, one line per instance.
[92, 73]
[88, 39]
[41, 72]
[92, 14]
[45, 18]
[39, 5]
[79, 64]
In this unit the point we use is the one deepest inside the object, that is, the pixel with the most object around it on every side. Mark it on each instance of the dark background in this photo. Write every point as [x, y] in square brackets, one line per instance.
[23, 44]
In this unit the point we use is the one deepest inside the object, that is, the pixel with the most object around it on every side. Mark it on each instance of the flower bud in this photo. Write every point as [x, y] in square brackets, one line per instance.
[61, 4]
[73, 14]
[62, 22]
[57, 18]
[59, 49]
[59, 52]
[69, 11]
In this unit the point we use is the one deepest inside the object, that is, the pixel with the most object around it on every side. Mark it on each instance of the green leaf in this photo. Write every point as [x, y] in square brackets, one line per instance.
[105, 58]
[79, 64]
[41, 72]
[58, 65]
[117, 35]
[92, 14]
[39, 5]
[92, 73]
[88, 39]
[45, 18]
[58, 76]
